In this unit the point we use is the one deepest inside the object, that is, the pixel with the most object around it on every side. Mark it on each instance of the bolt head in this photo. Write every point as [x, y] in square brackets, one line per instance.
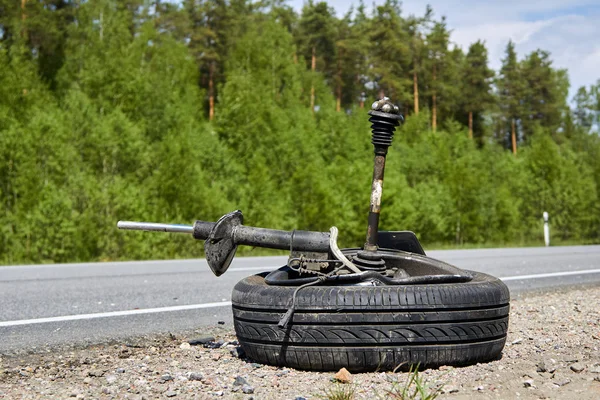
[386, 106]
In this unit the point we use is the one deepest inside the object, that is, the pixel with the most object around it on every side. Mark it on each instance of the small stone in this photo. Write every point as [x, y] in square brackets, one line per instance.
[299, 398]
[343, 376]
[577, 367]
[96, 373]
[120, 370]
[214, 345]
[528, 383]
[274, 382]
[478, 388]
[595, 369]
[541, 367]
[450, 389]
[240, 381]
[166, 378]
[562, 382]
[106, 390]
[247, 389]
[111, 379]
[195, 376]
[185, 346]
[219, 393]
[202, 340]
[517, 341]
[216, 357]
[256, 365]
[237, 352]
[87, 380]
[171, 393]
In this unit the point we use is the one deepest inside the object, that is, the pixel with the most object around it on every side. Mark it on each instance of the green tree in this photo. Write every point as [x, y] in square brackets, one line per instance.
[476, 80]
[511, 92]
[390, 56]
[545, 95]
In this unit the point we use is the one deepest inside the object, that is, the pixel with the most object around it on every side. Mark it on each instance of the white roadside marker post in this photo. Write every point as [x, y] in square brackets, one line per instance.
[546, 229]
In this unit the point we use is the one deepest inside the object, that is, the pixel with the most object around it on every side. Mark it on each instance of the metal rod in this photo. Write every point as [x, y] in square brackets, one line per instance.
[151, 226]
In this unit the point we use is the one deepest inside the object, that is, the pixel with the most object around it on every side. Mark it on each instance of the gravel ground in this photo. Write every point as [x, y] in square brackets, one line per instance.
[552, 352]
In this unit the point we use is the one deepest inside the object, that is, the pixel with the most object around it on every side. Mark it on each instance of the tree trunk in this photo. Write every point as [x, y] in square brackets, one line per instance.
[470, 124]
[416, 90]
[513, 136]
[338, 100]
[313, 67]
[211, 92]
[23, 18]
[433, 105]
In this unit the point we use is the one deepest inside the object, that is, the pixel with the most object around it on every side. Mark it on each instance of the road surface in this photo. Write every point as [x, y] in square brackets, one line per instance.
[75, 304]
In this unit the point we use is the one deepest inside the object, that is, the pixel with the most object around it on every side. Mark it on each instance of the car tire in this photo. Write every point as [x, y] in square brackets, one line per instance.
[368, 328]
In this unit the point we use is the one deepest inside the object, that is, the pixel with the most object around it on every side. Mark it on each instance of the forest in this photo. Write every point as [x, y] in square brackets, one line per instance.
[176, 111]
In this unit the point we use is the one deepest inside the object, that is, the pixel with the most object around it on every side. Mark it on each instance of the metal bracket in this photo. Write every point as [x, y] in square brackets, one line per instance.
[220, 245]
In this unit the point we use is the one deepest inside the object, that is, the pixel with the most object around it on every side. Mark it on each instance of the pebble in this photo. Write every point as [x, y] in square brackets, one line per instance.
[96, 373]
[562, 382]
[185, 346]
[239, 381]
[541, 367]
[214, 345]
[247, 389]
[528, 383]
[195, 376]
[577, 367]
[343, 376]
[111, 379]
[120, 370]
[201, 340]
[595, 369]
[171, 393]
[166, 378]
[450, 389]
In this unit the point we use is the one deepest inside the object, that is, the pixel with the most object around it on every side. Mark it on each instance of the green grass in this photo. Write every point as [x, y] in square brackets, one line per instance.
[339, 391]
[414, 388]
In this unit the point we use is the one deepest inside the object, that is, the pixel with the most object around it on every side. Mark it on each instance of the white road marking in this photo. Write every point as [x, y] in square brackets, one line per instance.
[113, 314]
[551, 274]
[228, 303]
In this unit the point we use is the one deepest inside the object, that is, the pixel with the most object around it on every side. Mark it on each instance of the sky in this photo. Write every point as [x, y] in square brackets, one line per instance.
[569, 30]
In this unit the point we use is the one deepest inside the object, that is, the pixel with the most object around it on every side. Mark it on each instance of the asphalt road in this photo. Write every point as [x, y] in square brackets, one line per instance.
[71, 304]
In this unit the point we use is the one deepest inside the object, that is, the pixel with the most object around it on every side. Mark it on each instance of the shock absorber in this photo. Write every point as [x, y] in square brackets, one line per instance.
[385, 117]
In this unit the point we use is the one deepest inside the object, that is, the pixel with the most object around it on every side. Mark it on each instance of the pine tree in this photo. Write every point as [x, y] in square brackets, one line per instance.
[439, 65]
[511, 91]
[316, 42]
[545, 94]
[476, 79]
[390, 56]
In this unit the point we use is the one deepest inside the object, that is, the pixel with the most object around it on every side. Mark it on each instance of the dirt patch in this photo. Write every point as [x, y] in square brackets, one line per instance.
[553, 352]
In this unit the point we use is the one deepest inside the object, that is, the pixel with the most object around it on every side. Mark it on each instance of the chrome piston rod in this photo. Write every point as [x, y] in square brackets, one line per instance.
[154, 227]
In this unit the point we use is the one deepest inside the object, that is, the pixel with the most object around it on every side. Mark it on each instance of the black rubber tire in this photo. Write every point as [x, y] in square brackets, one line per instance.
[368, 328]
